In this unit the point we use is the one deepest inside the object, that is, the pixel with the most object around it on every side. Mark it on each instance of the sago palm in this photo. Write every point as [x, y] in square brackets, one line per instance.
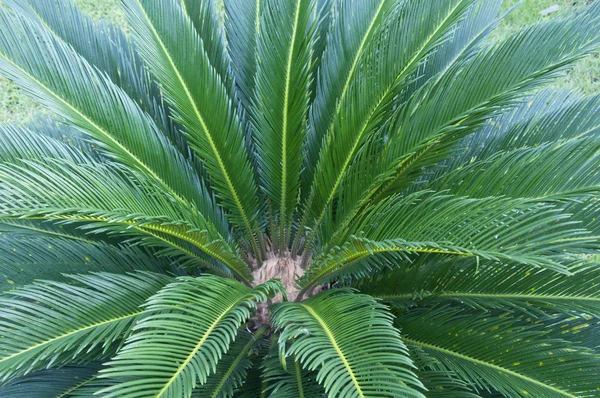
[299, 198]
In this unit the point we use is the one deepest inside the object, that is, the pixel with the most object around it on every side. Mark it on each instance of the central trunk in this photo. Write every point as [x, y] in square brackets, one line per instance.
[286, 269]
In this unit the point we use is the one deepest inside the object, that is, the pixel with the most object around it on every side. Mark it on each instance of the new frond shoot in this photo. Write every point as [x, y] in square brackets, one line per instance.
[299, 198]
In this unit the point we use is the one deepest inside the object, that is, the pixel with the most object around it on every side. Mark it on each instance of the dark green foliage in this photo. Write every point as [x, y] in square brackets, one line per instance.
[308, 198]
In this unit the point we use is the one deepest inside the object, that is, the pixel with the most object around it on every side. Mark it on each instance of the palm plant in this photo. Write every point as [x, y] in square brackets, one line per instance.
[277, 198]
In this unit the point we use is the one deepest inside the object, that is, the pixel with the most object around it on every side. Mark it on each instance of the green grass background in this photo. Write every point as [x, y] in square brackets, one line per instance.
[15, 107]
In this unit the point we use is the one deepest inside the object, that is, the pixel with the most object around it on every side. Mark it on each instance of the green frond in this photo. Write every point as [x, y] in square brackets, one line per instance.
[439, 383]
[232, 369]
[26, 257]
[242, 24]
[254, 385]
[108, 48]
[352, 27]
[464, 97]
[523, 173]
[493, 352]
[392, 57]
[52, 383]
[52, 324]
[579, 330]
[122, 203]
[359, 357]
[547, 116]
[367, 171]
[206, 17]
[291, 381]
[193, 321]
[533, 291]
[502, 230]
[19, 143]
[54, 73]
[174, 52]
[284, 50]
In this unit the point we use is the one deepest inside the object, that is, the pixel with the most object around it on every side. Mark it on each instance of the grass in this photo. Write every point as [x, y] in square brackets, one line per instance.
[585, 76]
[15, 107]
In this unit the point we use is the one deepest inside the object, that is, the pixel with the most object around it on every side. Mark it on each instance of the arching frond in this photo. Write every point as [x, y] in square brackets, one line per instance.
[51, 323]
[524, 173]
[207, 19]
[50, 70]
[439, 383]
[242, 24]
[515, 231]
[535, 292]
[232, 369]
[457, 102]
[353, 26]
[284, 50]
[193, 321]
[360, 356]
[291, 381]
[52, 383]
[18, 143]
[392, 57]
[254, 385]
[24, 258]
[365, 172]
[491, 351]
[122, 203]
[175, 54]
[547, 116]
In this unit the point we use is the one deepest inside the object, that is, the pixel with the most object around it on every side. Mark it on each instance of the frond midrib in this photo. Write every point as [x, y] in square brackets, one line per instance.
[337, 348]
[340, 264]
[207, 133]
[71, 333]
[490, 365]
[523, 296]
[237, 360]
[158, 228]
[370, 114]
[284, 129]
[104, 133]
[68, 392]
[197, 348]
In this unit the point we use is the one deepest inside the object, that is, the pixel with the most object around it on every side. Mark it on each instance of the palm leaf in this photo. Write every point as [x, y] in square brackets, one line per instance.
[19, 142]
[439, 383]
[283, 80]
[293, 381]
[361, 356]
[26, 257]
[242, 25]
[50, 70]
[175, 54]
[353, 26]
[383, 75]
[547, 116]
[193, 321]
[490, 351]
[51, 323]
[123, 203]
[52, 383]
[572, 165]
[232, 369]
[366, 172]
[535, 292]
[457, 102]
[496, 229]
[206, 18]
